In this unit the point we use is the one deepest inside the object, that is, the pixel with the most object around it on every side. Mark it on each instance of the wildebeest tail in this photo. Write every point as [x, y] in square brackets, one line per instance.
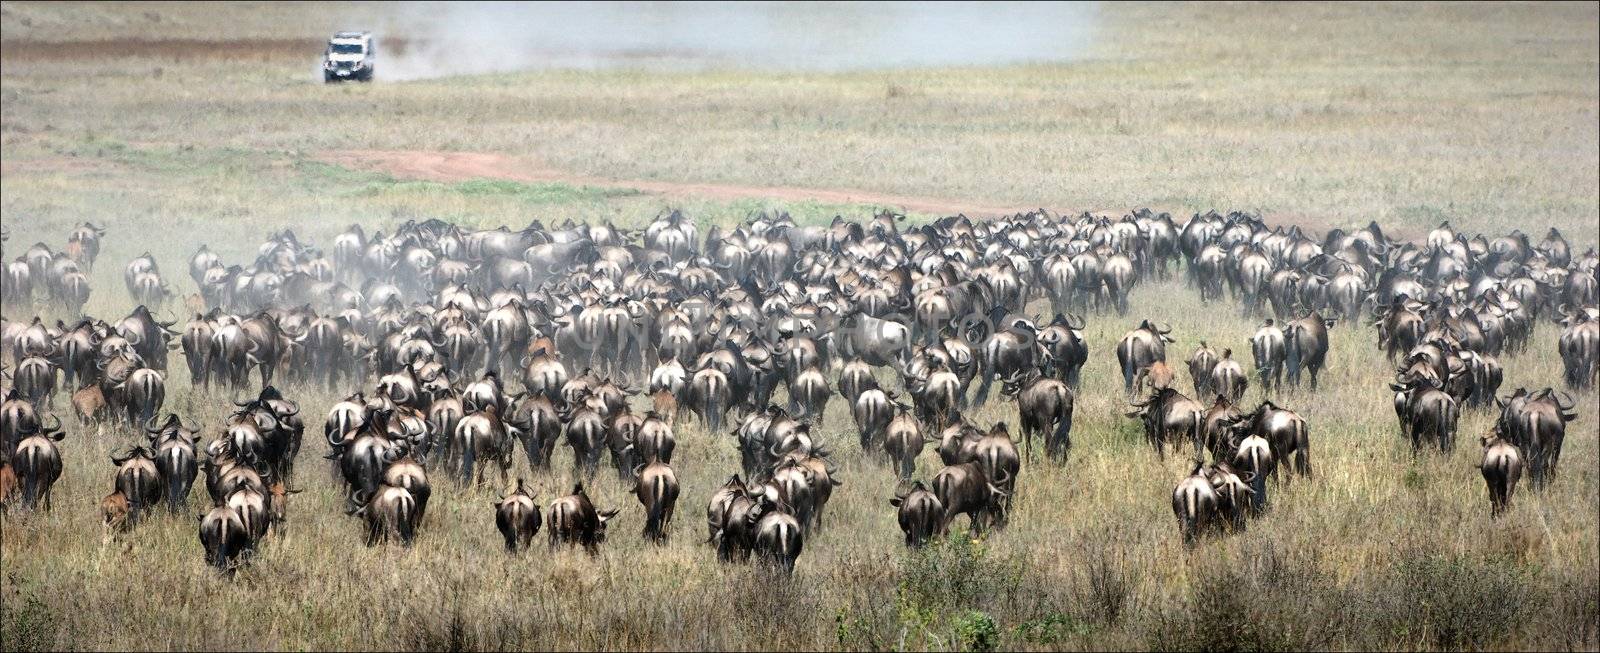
[469, 456]
[405, 511]
[30, 486]
[1258, 484]
[174, 479]
[652, 520]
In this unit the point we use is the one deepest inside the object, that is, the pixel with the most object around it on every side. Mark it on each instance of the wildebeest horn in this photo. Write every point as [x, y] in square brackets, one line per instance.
[53, 429]
[149, 426]
[1567, 407]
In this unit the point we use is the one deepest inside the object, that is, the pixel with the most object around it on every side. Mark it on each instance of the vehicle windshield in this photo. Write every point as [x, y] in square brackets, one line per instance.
[344, 48]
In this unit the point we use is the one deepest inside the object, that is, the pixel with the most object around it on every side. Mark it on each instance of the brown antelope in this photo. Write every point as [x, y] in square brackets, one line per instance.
[114, 511]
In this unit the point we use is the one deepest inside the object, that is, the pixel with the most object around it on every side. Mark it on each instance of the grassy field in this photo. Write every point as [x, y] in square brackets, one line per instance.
[1325, 116]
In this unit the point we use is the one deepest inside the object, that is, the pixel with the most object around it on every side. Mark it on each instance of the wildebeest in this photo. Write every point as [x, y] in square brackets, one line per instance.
[401, 470]
[37, 463]
[1430, 413]
[35, 381]
[278, 506]
[717, 508]
[389, 511]
[483, 436]
[1168, 415]
[1285, 432]
[1155, 376]
[1139, 348]
[1579, 346]
[656, 487]
[89, 403]
[1537, 423]
[903, 441]
[224, 537]
[1233, 495]
[8, 484]
[573, 519]
[1502, 468]
[139, 480]
[518, 517]
[1254, 456]
[965, 489]
[1201, 363]
[779, 539]
[920, 513]
[1045, 405]
[1228, 377]
[1268, 346]
[1305, 347]
[1065, 348]
[1194, 502]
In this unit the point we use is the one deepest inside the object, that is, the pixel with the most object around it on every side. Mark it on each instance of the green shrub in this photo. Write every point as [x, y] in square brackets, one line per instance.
[976, 631]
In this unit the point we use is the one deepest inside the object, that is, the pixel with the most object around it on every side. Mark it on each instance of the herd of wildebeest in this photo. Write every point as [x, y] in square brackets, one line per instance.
[459, 346]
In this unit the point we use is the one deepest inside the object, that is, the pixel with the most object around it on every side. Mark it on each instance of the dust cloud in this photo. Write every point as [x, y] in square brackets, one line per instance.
[446, 39]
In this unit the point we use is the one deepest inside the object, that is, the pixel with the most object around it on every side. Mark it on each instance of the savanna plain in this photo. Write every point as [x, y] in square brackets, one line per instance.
[175, 126]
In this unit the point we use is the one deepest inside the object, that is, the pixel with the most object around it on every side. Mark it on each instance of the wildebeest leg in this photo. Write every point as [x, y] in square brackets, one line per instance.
[407, 531]
[983, 390]
[372, 534]
[1027, 443]
[1063, 438]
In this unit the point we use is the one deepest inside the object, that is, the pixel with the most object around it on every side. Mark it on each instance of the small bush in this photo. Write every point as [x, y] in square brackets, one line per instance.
[28, 625]
[1457, 602]
[1052, 629]
[976, 631]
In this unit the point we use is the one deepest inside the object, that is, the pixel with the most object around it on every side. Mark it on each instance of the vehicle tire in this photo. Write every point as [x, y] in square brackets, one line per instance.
[366, 76]
[327, 78]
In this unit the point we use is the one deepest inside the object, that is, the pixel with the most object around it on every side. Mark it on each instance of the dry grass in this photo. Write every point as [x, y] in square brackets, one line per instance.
[1327, 115]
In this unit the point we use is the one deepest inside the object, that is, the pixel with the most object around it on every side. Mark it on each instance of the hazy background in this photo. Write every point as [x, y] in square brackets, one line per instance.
[460, 38]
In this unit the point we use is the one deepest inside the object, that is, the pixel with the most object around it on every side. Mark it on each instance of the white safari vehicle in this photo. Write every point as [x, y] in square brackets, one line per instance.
[350, 55]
